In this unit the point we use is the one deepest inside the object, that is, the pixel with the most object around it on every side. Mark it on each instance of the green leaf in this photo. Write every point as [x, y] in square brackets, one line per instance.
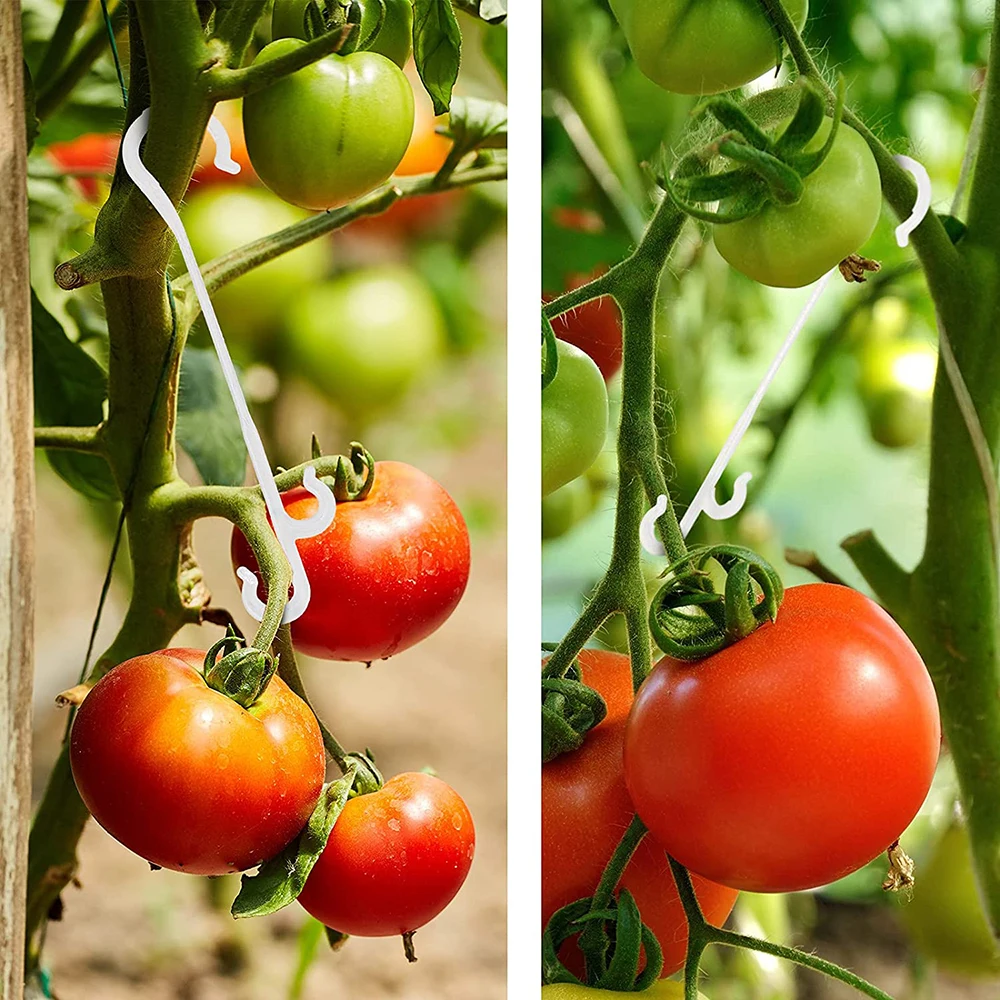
[208, 428]
[475, 123]
[437, 49]
[70, 388]
[279, 881]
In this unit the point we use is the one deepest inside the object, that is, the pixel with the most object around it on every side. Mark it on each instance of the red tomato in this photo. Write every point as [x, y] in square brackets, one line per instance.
[388, 571]
[93, 153]
[187, 778]
[793, 757]
[395, 860]
[595, 327]
[585, 810]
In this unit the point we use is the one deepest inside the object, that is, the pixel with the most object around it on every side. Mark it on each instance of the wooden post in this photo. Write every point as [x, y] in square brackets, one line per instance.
[17, 495]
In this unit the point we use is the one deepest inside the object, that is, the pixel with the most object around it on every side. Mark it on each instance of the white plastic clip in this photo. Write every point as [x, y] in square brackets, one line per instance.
[223, 147]
[287, 529]
[705, 501]
[923, 203]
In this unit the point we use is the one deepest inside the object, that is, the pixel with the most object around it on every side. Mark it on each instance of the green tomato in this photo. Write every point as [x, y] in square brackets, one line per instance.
[364, 338]
[574, 418]
[663, 989]
[944, 916]
[789, 246]
[897, 383]
[331, 131]
[566, 507]
[219, 219]
[702, 46]
[392, 41]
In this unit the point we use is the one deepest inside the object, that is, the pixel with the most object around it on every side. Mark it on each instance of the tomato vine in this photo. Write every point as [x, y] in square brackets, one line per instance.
[949, 603]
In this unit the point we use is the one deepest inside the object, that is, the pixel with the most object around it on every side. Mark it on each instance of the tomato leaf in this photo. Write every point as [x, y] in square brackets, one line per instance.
[207, 426]
[437, 49]
[477, 124]
[309, 938]
[279, 881]
[70, 388]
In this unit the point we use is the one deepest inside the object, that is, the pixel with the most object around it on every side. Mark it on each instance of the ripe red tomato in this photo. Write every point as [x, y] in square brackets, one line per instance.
[793, 757]
[388, 571]
[595, 327]
[187, 778]
[585, 810]
[94, 153]
[395, 859]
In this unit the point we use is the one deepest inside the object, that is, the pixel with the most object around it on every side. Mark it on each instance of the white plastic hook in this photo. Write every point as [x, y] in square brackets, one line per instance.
[923, 203]
[705, 501]
[223, 147]
[286, 528]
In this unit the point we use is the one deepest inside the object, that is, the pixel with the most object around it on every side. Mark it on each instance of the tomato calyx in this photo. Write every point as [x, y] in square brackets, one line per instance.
[320, 17]
[241, 673]
[354, 475]
[764, 169]
[612, 960]
[689, 620]
[570, 709]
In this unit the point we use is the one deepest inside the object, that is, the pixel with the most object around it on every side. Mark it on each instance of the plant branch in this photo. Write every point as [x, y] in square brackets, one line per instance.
[225, 84]
[74, 13]
[230, 266]
[889, 581]
[58, 89]
[809, 561]
[86, 439]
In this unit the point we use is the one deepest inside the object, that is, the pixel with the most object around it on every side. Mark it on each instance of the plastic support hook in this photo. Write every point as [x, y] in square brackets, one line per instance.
[923, 203]
[705, 501]
[287, 529]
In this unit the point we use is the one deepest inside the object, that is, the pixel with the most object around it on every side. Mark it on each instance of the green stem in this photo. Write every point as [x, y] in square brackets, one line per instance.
[86, 439]
[889, 581]
[225, 84]
[74, 13]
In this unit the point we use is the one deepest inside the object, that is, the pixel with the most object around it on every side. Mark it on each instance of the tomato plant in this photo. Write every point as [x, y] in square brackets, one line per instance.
[596, 328]
[219, 219]
[663, 990]
[393, 40]
[318, 160]
[780, 805]
[188, 778]
[364, 338]
[793, 245]
[395, 860]
[387, 573]
[702, 48]
[585, 807]
[218, 767]
[574, 418]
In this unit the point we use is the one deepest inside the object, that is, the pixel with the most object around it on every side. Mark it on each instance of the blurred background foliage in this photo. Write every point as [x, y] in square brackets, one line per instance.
[839, 445]
[391, 331]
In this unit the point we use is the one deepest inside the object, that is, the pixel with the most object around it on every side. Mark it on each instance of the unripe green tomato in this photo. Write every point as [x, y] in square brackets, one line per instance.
[944, 916]
[574, 418]
[219, 219]
[663, 989]
[394, 39]
[566, 507]
[705, 46]
[331, 131]
[789, 246]
[364, 338]
[897, 383]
